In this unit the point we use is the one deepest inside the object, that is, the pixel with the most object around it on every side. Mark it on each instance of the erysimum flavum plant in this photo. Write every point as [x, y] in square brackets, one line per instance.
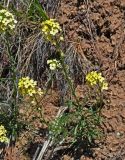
[3, 135]
[95, 79]
[80, 122]
[51, 30]
[7, 26]
[7, 21]
[28, 86]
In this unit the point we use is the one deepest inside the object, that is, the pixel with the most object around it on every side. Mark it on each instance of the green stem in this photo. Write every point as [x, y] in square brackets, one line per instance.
[72, 88]
[40, 9]
[14, 95]
[39, 109]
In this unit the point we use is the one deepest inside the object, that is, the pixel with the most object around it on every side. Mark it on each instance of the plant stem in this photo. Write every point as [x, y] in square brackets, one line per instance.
[39, 109]
[14, 107]
[72, 88]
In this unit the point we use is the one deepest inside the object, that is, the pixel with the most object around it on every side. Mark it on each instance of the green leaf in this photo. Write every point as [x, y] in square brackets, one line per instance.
[41, 11]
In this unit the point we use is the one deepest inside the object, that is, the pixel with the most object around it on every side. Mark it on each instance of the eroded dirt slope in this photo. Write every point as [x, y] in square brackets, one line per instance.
[97, 30]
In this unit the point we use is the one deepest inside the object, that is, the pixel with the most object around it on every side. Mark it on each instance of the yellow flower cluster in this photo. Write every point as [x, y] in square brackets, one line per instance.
[28, 86]
[3, 136]
[94, 78]
[7, 21]
[53, 64]
[50, 28]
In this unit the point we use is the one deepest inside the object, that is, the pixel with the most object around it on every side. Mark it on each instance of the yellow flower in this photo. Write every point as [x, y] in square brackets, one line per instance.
[50, 28]
[53, 64]
[7, 21]
[28, 86]
[40, 92]
[94, 78]
[104, 86]
[3, 136]
[61, 38]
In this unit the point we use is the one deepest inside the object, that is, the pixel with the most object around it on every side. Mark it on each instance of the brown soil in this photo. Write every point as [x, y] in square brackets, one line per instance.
[98, 28]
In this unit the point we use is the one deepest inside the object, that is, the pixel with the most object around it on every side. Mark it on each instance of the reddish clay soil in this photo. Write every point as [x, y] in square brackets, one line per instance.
[98, 27]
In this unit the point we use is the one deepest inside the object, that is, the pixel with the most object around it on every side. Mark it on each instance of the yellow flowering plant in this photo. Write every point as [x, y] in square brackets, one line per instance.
[7, 26]
[28, 86]
[59, 128]
[7, 21]
[94, 78]
[3, 136]
[54, 64]
[50, 28]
